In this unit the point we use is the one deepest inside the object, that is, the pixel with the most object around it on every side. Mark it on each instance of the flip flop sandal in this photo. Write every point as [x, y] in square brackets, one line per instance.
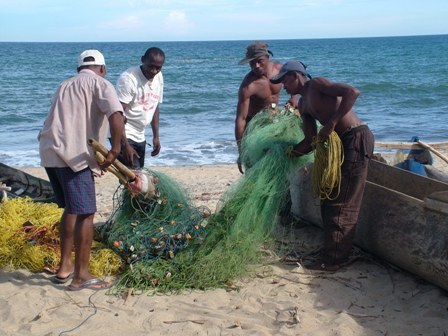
[93, 284]
[59, 281]
[321, 266]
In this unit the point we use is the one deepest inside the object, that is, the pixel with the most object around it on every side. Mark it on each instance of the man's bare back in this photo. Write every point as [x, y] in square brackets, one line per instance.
[322, 106]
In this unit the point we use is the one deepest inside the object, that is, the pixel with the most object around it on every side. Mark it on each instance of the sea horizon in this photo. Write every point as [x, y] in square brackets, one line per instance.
[403, 82]
[234, 40]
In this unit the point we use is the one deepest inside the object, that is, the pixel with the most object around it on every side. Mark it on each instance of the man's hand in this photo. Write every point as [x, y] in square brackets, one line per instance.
[292, 152]
[325, 131]
[156, 146]
[110, 158]
[128, 154]
[292, 102]
[240, 166]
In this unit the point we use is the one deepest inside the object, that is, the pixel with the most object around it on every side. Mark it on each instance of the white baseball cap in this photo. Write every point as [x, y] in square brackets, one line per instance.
[98, 58]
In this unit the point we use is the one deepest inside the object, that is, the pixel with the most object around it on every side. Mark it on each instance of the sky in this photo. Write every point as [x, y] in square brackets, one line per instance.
[212, 20]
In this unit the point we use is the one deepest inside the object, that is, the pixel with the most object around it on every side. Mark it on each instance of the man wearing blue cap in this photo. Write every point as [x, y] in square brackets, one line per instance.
[332, 105]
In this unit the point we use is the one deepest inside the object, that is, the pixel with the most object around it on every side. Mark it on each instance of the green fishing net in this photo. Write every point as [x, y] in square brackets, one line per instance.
[170, 245]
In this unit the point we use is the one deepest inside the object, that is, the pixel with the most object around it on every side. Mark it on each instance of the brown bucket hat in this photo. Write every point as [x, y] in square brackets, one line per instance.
[255, 50]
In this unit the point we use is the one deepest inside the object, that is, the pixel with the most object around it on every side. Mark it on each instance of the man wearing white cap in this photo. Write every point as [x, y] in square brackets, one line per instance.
[80, 110]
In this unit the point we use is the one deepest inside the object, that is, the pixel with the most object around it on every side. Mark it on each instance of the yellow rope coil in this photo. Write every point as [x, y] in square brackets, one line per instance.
[328, 158]
[29, 239]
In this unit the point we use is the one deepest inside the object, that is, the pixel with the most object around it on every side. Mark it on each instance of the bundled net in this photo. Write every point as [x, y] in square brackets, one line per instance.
[149, 232]
[29, 239]
[170, 245]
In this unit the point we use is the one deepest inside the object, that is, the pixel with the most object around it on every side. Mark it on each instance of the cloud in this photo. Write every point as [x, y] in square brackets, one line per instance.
[123, 23]
[177, 23]
[253, 18]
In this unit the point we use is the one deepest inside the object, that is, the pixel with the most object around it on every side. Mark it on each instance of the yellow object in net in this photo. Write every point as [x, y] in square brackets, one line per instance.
[328, 158]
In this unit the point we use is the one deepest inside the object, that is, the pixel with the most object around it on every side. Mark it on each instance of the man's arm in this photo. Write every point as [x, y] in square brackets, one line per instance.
[128, 151]
[293, 102]
[242, 110]
[348, 95]
[155, 132]
[116, 126]
[310, 131]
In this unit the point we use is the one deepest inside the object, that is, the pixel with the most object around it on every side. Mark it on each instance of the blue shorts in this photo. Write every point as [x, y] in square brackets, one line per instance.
[75, 192]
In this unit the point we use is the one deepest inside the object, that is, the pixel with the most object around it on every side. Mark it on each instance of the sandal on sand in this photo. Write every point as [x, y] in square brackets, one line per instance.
[322, 266]
[93, 284]
[59, 281]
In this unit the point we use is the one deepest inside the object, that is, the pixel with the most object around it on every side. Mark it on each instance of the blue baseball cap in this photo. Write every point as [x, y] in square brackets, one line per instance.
[289, 66]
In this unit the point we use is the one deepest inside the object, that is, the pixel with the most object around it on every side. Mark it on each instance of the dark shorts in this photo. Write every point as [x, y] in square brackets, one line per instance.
[140, 148]
[75, 192]
[340, 215]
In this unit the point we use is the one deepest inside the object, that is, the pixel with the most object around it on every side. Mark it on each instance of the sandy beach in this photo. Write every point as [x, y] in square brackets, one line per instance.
[367, 298]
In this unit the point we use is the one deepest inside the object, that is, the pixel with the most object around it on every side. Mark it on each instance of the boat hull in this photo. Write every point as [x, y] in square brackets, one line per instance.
[403, 218]
[23, 184]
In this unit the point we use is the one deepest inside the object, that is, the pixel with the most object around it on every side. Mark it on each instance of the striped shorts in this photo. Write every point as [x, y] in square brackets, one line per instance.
[75, 192]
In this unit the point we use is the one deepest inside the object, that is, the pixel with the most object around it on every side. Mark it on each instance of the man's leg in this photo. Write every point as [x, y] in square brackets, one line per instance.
[81, 202]
[66, 225]
[66, 229]
[340, 216]
[140, 148]
[83, 237]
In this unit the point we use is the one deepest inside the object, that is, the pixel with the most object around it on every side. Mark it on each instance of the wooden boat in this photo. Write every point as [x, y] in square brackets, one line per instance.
[17, 183]
[403, 218]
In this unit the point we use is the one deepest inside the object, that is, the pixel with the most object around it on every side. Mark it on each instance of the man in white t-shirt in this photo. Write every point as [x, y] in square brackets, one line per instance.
[140, 90]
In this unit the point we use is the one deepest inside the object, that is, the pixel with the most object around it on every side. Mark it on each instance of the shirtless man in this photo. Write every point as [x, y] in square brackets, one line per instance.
[256, 91]
[332, 105]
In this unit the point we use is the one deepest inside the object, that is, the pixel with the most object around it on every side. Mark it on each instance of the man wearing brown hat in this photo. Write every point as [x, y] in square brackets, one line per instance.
[256, 91]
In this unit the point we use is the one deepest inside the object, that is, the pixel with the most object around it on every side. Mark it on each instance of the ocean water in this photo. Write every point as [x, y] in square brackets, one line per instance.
[403, 83]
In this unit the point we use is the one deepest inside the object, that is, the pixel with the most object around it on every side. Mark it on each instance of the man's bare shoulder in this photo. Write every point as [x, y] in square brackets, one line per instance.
[252, 81]
[277, 65]
[273, 68]
[249, 78]
[316, 81]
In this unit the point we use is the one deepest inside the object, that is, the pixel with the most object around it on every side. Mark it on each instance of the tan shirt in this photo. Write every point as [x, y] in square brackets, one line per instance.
[80, 110]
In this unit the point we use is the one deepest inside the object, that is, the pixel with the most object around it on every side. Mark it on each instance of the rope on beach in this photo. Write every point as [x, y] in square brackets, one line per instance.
[28, 234]
[29, 239]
